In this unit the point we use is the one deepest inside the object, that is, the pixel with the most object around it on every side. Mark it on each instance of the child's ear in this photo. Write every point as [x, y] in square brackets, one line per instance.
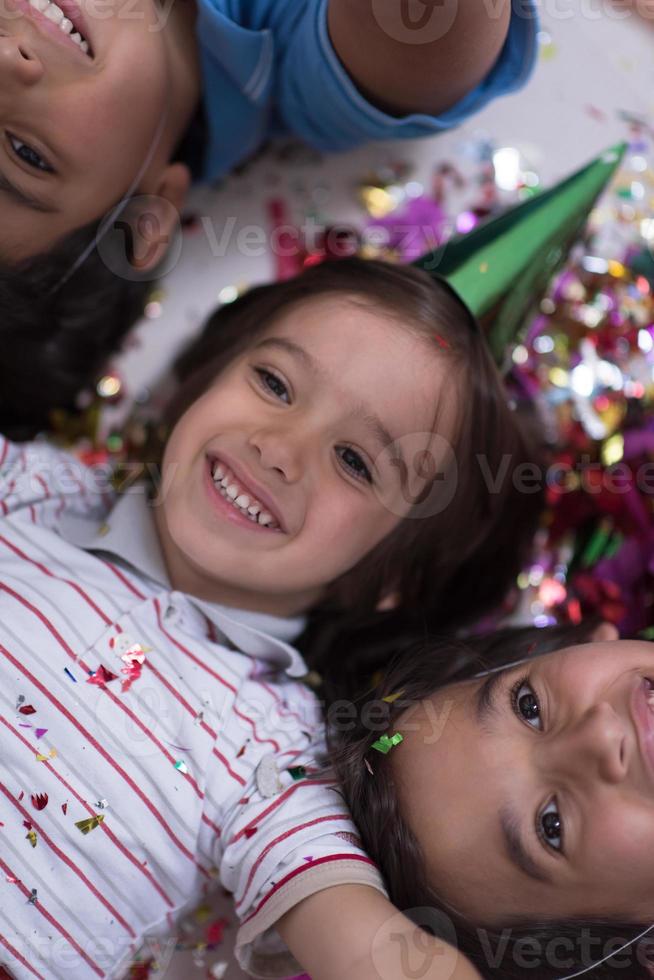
[605, 633]
[151, 223]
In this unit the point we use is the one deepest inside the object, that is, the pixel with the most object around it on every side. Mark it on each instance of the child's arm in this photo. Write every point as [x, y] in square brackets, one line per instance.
[418, 55]
[351, 932]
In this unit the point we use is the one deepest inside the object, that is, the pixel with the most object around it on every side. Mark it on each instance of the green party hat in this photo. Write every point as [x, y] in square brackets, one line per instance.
[502, 267]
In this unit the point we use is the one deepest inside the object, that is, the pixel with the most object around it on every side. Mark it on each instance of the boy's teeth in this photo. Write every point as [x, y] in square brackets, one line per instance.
[57, 16]
[219, 472]
[254, 509]
[243, 501]
[232, 491]
[266, 519]
[53, 13]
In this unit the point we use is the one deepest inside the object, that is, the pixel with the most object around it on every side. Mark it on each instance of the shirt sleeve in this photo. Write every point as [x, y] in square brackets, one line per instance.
[317, 100]
[35, 476]
[285, 834]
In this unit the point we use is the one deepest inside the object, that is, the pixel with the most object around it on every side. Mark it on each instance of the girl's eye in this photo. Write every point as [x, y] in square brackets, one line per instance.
[525, 703]
[355, 464]
[550, 827]
[28, 155]
[273, 384]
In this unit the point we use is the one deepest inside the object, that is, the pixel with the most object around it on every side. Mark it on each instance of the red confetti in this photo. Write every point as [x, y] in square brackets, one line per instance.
[250, 831]
[22, 794]
[27, 709]
[39, 800]
[64, 808]
[215, 931]
[441, 341]
[40, 732]
[27, 824]
[101, 676]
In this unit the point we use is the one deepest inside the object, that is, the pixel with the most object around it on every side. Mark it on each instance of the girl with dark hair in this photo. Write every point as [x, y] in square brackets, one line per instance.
[341, 451]
[516, 815]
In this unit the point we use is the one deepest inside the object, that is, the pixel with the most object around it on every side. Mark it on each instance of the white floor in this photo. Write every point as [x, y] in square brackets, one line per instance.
[596, 66]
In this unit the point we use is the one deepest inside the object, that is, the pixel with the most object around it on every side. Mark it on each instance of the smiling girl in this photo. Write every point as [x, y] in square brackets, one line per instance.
[322, 478]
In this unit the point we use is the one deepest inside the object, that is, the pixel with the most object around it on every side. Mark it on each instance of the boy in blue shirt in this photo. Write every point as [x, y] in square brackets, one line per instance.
[99, 105]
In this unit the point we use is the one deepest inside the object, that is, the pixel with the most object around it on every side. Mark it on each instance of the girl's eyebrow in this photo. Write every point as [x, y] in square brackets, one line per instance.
[518, 854]
[485, 698]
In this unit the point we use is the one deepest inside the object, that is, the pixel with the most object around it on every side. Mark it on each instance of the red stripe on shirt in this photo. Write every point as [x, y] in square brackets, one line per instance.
[123, 578]
[279, 800]
[21, 959]
[213, 673]
[278, 840]
[103, 826]
[46, 571]
[107, 692]
[106, 756]
[38, 905]
[298, 871]
[67, 861]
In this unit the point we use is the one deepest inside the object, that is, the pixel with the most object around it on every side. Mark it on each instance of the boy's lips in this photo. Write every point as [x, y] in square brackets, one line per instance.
[44, 25]
[249, 485]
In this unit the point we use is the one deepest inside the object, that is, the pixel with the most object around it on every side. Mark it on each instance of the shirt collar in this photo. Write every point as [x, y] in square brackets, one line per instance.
[130, 535]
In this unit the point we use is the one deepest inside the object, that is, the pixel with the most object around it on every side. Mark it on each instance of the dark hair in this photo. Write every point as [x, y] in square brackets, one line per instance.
[448, 567]
[389, 841]
[56, 338]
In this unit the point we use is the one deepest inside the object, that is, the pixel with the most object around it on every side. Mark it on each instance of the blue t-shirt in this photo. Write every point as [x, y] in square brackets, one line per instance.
[269, 69]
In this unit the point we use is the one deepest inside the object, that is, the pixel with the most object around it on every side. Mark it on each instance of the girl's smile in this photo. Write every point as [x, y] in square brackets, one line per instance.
[234, 498]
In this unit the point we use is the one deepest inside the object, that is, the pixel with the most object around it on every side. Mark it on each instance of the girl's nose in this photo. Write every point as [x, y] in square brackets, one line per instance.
[19, 62]
[595, 746]
[279, 449]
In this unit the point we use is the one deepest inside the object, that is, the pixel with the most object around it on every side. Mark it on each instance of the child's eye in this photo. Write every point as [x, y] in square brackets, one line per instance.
[28, 155]
[273, 384]
[525, 703]
[355, 464]
[549, 826]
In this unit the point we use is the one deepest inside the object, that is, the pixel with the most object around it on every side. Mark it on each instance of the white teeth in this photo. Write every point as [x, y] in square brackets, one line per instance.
[57, 16]
[54, 14]
[224, 481]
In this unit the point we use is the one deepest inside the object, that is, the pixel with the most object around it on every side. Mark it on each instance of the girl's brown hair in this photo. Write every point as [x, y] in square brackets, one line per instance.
[553, 949]
[450, 559]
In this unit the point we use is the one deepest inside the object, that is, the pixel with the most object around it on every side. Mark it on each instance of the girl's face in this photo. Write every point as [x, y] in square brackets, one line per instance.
[295, 430]
[532, 790]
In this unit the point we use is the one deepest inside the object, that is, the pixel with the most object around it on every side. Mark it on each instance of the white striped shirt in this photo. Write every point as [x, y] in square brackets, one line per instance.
[183, 758]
